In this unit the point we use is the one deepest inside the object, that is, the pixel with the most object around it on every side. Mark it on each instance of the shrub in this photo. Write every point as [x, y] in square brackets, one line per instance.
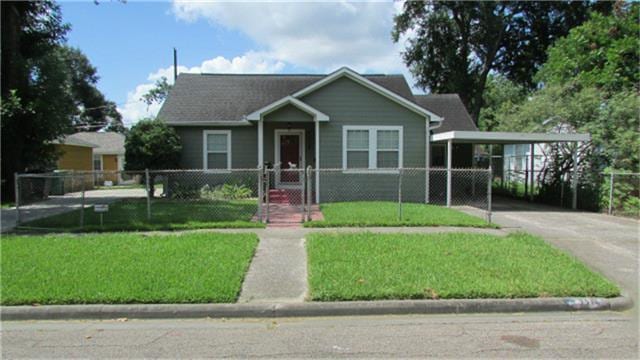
[225, 192]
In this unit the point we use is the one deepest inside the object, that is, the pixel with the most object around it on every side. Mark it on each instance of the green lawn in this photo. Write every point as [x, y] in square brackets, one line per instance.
[166, 214]
[124, 268]
[385, 213]
[368, 266]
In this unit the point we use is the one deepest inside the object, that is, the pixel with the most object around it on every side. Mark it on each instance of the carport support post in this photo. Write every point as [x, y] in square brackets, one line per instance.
[449, 148]
[532, 167]
[16, 184]
[574, 179]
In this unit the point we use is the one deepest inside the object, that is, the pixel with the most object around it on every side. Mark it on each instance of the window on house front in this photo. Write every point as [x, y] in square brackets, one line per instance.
[217, 149]
[97, 162]
[372, 147]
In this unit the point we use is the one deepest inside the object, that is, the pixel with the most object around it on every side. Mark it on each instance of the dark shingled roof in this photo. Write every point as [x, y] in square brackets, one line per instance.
[229, 97]
[451, 108]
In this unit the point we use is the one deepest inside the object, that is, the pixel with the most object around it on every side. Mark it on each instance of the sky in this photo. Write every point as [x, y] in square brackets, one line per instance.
[131, 44]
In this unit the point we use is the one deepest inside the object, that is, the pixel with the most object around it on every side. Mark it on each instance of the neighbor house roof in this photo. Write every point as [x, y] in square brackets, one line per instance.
[228, 98]
[450, 106]
[68, 140]
[107, 143]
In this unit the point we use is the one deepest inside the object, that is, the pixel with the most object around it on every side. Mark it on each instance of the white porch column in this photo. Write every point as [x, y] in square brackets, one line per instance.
[427, 162]
[317, 155]
[260, 143]
[574, 178]
[449, 151]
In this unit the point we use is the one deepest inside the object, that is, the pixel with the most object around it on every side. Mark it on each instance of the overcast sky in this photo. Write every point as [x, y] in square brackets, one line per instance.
[131, 43]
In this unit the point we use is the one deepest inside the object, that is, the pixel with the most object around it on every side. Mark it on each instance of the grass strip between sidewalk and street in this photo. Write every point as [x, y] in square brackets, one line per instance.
[385, 213]
[124, 268]
[367, 266]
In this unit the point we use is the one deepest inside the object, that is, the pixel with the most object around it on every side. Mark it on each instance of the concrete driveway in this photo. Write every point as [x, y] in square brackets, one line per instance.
[608, 244]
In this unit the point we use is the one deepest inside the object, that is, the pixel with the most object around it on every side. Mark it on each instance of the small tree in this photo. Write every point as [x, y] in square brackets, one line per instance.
[151, 144]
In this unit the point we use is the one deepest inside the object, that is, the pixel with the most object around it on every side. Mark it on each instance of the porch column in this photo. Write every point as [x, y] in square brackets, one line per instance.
[574, 178]
[533, 168]
[260, 143]
[317, 155]
[449, 150]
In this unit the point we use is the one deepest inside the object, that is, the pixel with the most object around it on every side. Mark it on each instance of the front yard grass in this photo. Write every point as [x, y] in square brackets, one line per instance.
[166, 214]
[124, 268]
[385, 213]
[368, 266]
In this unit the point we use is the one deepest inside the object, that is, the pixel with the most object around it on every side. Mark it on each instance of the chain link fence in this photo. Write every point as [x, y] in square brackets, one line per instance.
[623, 197]
[380, 188]
[138, 200]
[184, 199]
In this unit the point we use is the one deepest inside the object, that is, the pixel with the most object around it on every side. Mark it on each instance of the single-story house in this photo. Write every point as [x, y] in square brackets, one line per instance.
[74, 154]
[364, 127]
[108, 152]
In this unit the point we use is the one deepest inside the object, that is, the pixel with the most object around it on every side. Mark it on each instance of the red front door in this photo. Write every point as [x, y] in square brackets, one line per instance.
[290, 157]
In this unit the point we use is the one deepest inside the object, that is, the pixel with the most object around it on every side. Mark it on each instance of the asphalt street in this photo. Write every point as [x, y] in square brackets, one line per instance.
[544, 335]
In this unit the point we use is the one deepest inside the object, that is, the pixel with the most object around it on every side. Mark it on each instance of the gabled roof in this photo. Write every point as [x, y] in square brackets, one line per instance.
[346, 72]
[68, 140]
[228, 98]
[106, 143]
[450, 106]
[315, 113]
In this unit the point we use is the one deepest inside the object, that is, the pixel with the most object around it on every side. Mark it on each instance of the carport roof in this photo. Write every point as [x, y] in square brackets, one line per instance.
[491, 137]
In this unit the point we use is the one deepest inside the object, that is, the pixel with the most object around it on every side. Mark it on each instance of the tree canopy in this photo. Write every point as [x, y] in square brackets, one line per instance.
[152, 144]
[48, 89]
[453, 46]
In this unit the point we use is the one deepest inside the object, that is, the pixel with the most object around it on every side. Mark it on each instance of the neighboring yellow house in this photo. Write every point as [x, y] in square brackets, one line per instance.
[75, 154]
[107, 155]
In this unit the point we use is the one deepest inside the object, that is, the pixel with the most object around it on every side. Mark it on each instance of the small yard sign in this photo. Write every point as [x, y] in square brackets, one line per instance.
[101, 208]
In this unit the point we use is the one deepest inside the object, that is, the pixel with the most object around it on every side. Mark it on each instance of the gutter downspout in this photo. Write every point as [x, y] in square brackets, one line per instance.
[427, 162]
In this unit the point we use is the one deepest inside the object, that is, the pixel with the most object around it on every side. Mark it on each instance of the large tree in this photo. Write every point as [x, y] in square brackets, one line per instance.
[48, 89]
[453, 46]
[589, 83]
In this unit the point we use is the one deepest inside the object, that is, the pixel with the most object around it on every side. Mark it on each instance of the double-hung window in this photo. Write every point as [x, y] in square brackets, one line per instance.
[217, 149]
[372, 147]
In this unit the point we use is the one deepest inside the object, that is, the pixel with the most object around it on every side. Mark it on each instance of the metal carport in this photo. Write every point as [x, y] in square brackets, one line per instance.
[490, 138]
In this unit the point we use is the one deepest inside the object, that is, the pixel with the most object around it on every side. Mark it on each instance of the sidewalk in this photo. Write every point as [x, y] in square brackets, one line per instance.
[278, 271]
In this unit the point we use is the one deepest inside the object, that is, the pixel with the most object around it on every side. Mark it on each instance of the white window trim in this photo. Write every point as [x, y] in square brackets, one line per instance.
[93, 165]
[373, 148]
[205, 150]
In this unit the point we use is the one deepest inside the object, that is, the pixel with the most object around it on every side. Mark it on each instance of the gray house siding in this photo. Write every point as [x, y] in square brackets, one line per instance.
[244, 146]
[349, 103]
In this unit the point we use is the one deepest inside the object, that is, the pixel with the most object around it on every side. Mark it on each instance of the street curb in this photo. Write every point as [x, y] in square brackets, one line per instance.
[309, 309]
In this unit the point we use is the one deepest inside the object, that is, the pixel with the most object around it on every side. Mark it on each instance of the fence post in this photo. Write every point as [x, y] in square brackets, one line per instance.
[16, 180]
[267, 181]
[309, 193]
[400, 194]
[82, 205]
[611, 195]
[489, 193]
[260, 191]
[148, 188]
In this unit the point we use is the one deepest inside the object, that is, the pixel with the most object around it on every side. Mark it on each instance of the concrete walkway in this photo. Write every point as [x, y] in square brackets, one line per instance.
[278, 271]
